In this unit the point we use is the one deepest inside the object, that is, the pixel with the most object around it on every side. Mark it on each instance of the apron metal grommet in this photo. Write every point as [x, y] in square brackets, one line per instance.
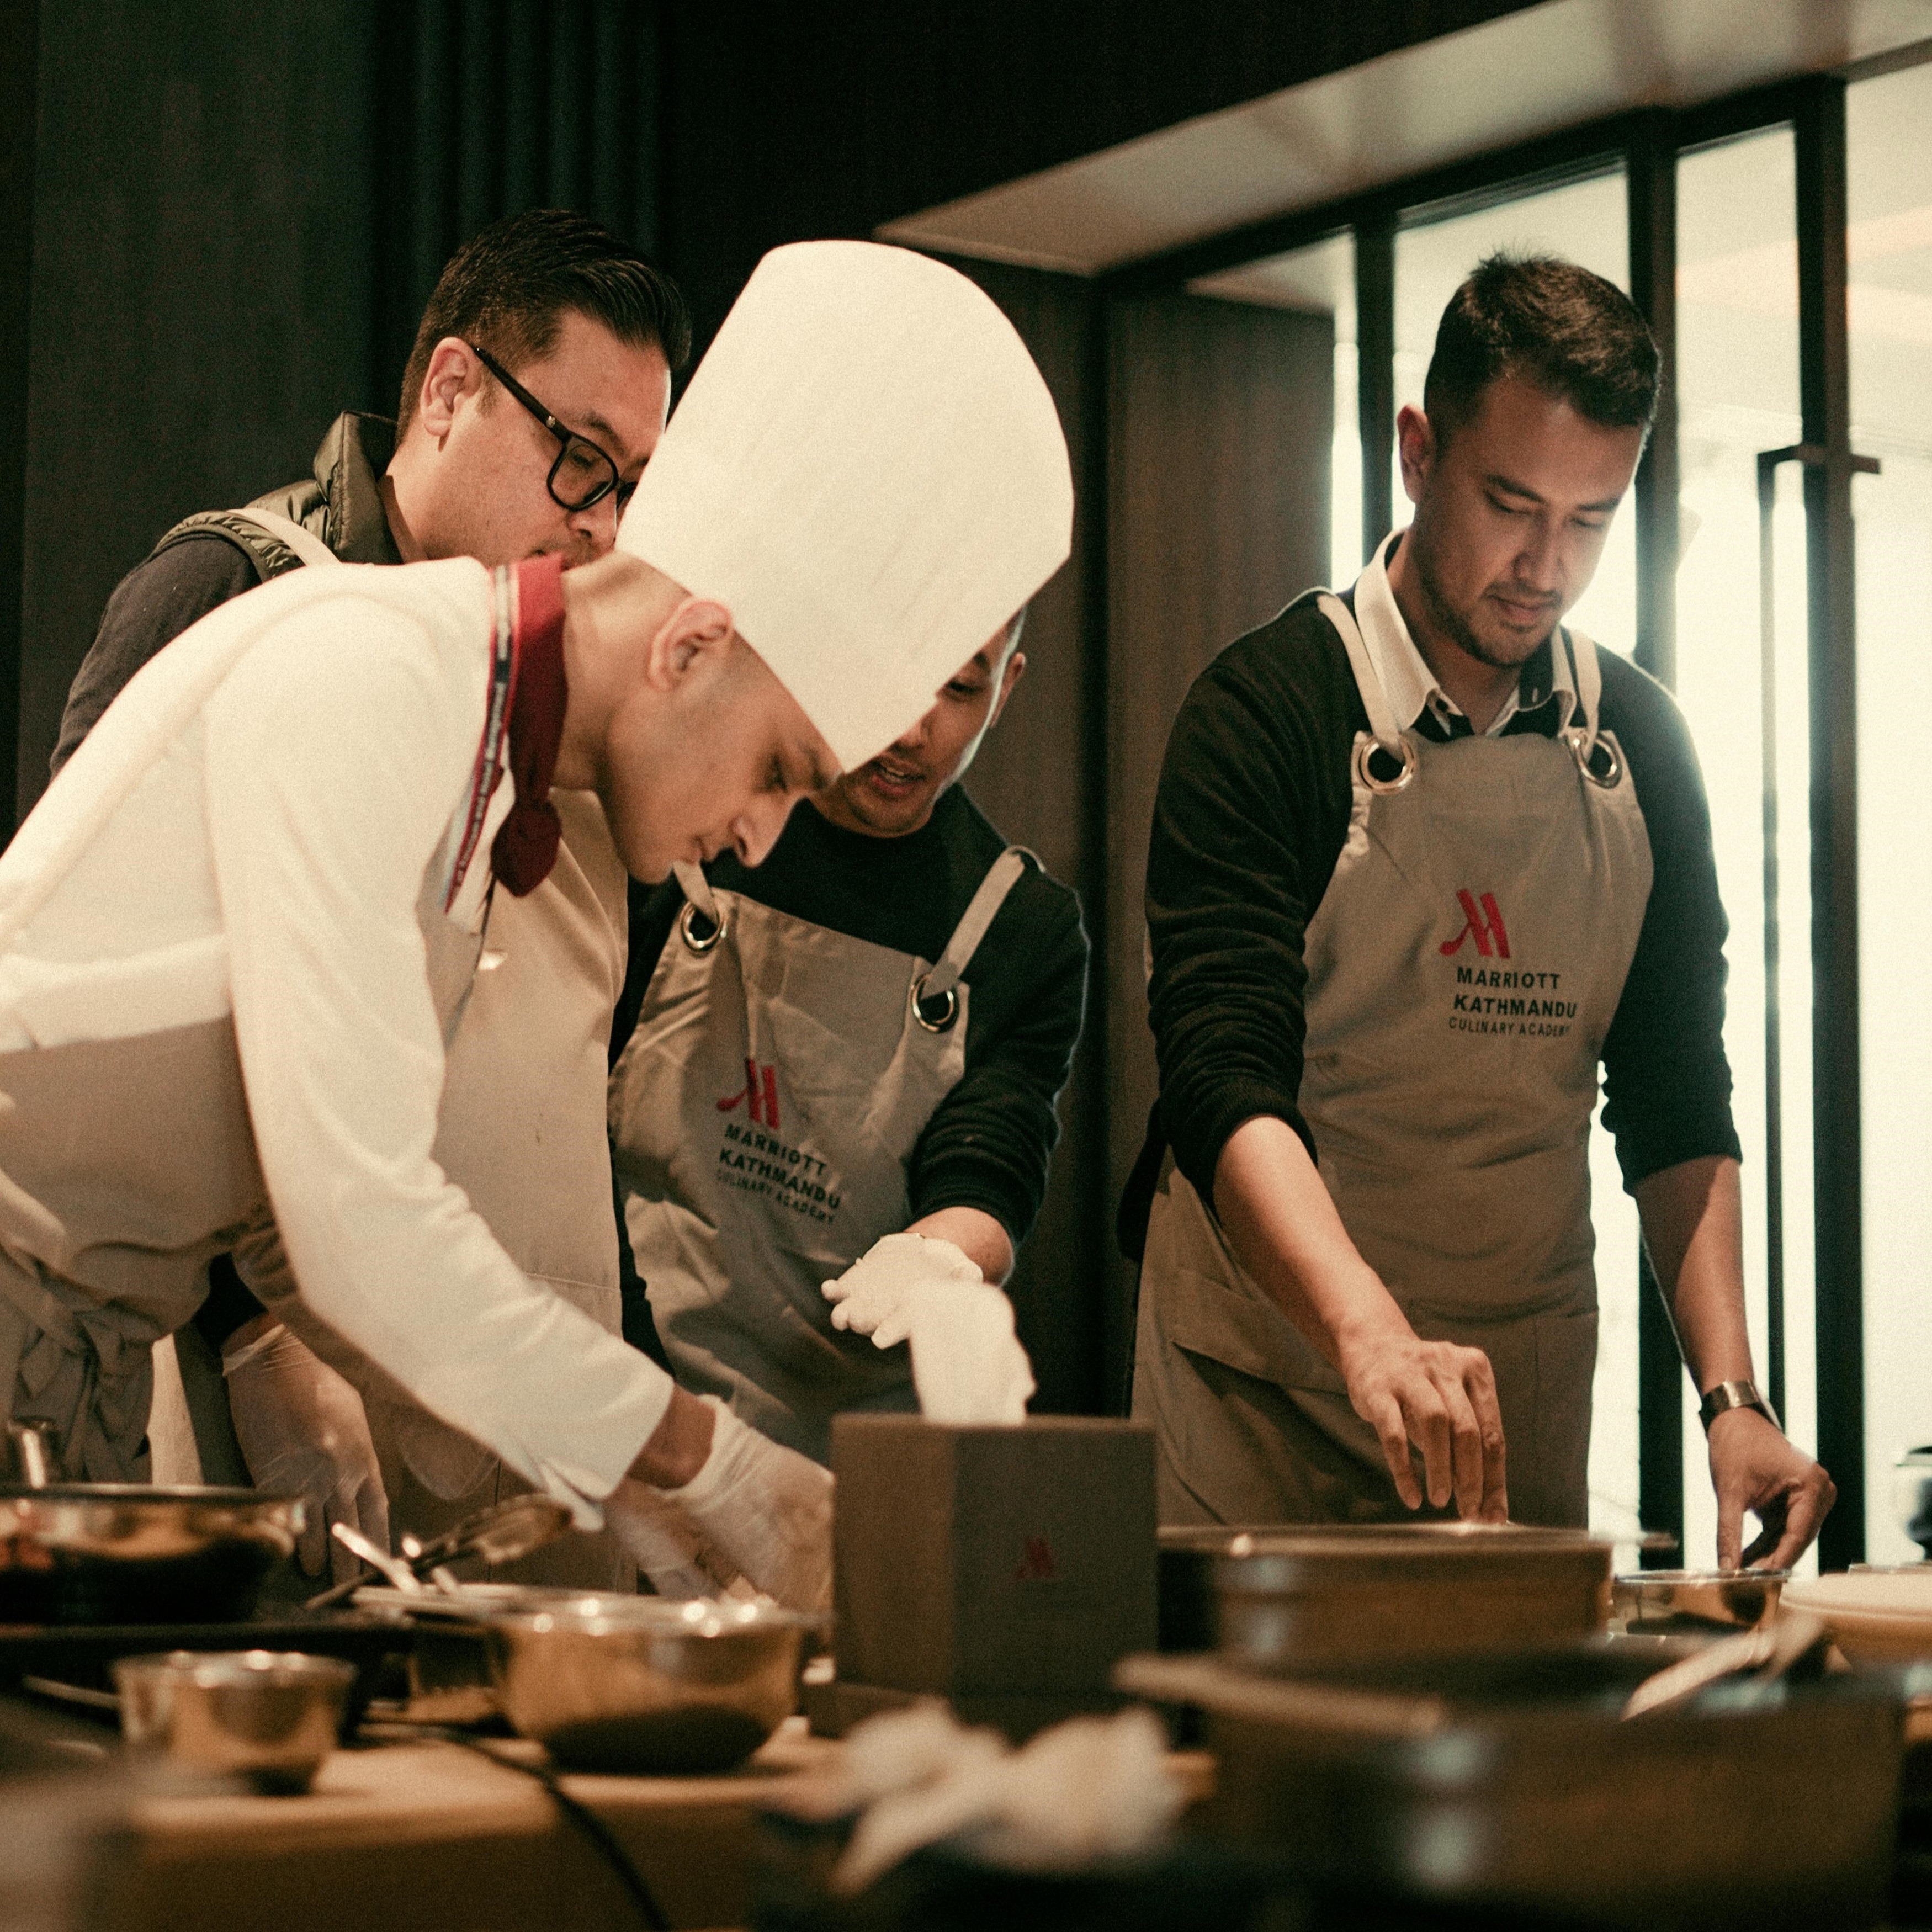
[1369, 751]
[687, 925]
[1599, 763]
[949, 1012]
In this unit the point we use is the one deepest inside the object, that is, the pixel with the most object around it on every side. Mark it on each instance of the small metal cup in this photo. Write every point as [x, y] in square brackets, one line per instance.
[269, 1717]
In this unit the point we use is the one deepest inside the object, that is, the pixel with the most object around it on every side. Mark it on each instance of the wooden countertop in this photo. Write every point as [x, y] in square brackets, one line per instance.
[422, 1836]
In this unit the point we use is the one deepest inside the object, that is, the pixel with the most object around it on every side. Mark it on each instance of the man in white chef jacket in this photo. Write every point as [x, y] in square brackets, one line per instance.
[1423, 861]
[535, 392]
[238, 932]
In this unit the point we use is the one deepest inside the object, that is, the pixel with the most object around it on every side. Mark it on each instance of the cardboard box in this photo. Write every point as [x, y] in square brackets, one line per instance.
[1015, 1562]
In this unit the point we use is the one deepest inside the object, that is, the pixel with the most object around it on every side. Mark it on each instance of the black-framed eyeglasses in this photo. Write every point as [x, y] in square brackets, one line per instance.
[583, 474]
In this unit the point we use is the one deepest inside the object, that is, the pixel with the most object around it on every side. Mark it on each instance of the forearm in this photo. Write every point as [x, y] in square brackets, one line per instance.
[1692, 1220]
[977, 1236]
[1434, 1397]
[1282, 1222]
[1693, 1230]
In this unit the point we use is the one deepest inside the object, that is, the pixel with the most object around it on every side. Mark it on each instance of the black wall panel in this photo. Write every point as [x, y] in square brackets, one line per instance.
[19, 26]
[201, 289]
[486, 107]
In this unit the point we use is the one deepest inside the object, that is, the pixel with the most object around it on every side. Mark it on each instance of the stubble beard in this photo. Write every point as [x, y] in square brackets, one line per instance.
[1452, 624]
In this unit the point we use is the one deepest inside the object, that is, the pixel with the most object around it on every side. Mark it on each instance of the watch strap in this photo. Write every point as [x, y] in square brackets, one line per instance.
[1735, 1395]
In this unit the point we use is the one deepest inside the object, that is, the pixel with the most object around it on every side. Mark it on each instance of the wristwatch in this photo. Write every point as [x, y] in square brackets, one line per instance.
[1735, 1395]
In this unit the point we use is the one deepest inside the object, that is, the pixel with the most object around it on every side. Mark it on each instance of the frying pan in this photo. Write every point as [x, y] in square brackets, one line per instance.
[130, 1553]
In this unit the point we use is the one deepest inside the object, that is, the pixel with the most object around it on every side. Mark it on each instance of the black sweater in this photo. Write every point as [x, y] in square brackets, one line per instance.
[988, 1143]
[1249, 820]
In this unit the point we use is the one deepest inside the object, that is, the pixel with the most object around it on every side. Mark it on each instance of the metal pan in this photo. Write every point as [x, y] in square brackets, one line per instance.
[119, 1553]
[130, 1553]
[1290, 1597]
[1510, 1784]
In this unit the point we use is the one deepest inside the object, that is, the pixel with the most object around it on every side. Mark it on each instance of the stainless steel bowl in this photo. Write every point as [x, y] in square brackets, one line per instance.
[636, 1683]
[122, 1553]
[1659, 1602]
[269, 1717]
[1291, 1599]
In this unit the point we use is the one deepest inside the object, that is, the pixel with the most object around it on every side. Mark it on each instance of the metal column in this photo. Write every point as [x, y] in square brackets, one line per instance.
[1651, 191]
[1375, 392]
[1824, 369]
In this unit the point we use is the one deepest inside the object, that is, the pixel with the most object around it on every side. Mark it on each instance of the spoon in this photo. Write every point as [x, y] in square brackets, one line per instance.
[1770, 1649]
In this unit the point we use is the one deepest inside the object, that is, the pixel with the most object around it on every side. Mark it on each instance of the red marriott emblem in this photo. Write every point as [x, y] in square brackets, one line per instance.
[1483, 923]
[760, 1093]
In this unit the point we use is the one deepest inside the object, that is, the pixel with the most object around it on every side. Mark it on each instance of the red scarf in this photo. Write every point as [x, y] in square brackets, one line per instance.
[525, 847]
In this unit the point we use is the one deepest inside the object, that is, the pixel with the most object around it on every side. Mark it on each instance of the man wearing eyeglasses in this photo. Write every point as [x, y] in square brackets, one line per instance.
[535, 392]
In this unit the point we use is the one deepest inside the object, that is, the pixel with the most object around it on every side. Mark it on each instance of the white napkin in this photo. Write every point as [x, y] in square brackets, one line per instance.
[1090, 1789]
[967, 1364]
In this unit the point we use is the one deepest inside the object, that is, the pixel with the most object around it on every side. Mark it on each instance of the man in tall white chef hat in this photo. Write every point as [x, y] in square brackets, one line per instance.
[238, 930]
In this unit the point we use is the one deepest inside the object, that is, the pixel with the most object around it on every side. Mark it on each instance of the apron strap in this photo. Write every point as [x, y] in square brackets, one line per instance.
[1001, 878]
[1589, 686]
[305, 543]
[697, 890]
[1382, 725]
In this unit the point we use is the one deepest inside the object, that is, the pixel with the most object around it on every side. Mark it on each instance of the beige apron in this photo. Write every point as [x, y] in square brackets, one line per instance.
[1464, 966]
[762, 1117]
[521, 1131]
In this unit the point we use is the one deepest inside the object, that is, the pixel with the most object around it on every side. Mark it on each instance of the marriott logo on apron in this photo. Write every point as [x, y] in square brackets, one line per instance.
[1522, 1002]
[759, 1092]
[754, 1160]
[1483, 924]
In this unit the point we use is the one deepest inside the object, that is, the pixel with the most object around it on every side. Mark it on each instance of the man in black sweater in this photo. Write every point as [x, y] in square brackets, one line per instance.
[834, 1076]
[1422, 862]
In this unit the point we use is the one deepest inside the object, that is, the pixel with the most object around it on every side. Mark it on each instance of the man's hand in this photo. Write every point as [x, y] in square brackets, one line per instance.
[1753, 1467]
[760, 1508]
[1441, 1398]
[303, 1432]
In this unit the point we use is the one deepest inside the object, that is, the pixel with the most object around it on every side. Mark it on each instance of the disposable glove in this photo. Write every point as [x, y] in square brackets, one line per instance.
[764, 1510]
[874, 1296]
[303, 1432]
[668, 1546]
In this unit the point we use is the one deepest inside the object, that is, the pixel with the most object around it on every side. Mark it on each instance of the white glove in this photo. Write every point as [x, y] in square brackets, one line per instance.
[874, 1296]
[668, 1546]
[764, 1511]
[303, 1432]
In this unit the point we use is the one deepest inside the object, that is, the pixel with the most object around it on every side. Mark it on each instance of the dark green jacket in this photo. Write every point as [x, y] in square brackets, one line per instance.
[207, 559]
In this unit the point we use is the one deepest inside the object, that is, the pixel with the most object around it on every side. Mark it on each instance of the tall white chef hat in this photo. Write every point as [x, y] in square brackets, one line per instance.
[868, 471]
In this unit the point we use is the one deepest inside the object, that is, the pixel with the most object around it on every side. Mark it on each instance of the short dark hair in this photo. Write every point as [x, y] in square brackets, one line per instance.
[508, 288]
[1554, 324]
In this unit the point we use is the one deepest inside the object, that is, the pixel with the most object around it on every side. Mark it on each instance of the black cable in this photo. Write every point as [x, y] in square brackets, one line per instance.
[601, 1836]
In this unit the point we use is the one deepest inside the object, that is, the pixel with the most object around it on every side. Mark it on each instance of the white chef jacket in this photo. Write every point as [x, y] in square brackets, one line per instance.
[247, 833]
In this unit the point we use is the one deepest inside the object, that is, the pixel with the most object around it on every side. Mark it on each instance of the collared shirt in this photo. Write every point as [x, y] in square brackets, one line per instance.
[1419, 701]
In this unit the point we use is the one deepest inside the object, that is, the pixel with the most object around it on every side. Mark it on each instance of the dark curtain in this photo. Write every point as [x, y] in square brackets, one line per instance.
[20, 40]
[485, 107]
